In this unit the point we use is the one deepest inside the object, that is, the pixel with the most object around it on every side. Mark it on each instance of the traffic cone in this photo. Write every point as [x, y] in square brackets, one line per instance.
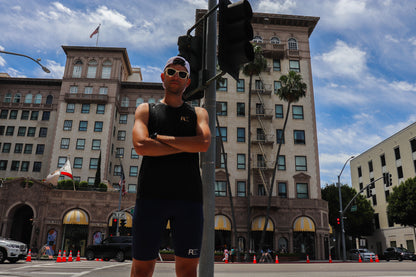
[226, 259]
[254, 260]
[277, 260]
[371, 259]
[64, 257]
[359, 259]
[78, 259]
[70, 256]
[307, 259]
[377, 260]
[29, 256]
[330, 259]
[59, 259]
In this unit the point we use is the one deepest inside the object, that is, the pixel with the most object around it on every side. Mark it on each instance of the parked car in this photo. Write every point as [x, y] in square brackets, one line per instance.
[363, 252]
[118, 248]
[398, 253]
[12, 250]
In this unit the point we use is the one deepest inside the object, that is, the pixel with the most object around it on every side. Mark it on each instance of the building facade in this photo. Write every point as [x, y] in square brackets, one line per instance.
[395, 155]
[90, 111]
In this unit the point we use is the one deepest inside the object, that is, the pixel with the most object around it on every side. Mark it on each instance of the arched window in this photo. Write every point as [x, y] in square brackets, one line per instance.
[38, 99]
[139, 101]
[293, 44]
[49, 99]
[275, 40]
[17, 98]
[258, 39]
[106, 71]
[151, 100]
[92, 69]
[76, 73]
[125, 101]
[7, 98]
[28, 98]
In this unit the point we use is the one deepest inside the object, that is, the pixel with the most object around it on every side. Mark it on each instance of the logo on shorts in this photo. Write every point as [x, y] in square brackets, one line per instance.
[193, 252]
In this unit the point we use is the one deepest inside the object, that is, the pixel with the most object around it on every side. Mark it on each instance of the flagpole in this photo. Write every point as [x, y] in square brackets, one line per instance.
[119, 199]
[73, 182]
[96, 43]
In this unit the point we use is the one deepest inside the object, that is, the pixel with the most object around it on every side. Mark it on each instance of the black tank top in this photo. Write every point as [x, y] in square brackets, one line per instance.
[176, 176]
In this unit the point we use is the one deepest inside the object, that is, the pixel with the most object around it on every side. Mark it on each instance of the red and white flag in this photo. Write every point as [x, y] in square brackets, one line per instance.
[53, 177]
[66, 169]
[95, 31]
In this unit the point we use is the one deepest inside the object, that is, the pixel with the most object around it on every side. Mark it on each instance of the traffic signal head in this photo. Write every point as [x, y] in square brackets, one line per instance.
[234, 36]
[338, 222]
[191, 49]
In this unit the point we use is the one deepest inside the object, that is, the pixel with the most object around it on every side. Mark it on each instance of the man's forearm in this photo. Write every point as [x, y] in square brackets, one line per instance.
[153, 147]
[192, 144]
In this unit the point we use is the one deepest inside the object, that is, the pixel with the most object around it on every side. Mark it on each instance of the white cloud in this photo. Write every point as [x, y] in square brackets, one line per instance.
[273, 6]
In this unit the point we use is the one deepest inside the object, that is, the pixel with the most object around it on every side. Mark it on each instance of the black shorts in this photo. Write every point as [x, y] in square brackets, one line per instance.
[150, 219]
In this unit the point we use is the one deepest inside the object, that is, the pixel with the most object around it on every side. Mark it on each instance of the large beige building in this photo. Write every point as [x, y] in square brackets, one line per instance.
[89, 111]
[397, 156]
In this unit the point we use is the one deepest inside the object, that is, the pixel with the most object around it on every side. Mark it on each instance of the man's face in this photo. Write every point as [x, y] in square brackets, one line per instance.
[175, 84]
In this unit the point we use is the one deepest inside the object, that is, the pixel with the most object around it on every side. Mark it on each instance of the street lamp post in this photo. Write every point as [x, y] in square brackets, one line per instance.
[36, 61]
[341, 213]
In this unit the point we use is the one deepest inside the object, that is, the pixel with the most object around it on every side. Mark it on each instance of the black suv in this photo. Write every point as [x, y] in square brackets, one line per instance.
[118, 248]
[398, 253]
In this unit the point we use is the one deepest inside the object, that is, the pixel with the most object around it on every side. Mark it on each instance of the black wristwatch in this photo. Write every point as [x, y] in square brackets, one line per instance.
[154, 135]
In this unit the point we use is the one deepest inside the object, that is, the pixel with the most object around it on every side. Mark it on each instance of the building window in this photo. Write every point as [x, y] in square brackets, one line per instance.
[43, 132]
[93, 163]
[280, 138]
[275, 40]
[223, 157]
[13, 114]
[302, 191]
[360, 173]
[85, 108]
[241, 161]
[282, 191]
[374, 198]
[241, 188]
[119, 152]
[278, 111]
[61, 161]
[80, 144]
[117, 170]
[261, 136]
[37, 166]
[103, 90]
[383, 160]
[258, 39]
[15, 166]
[70, 108]
[241, 109]
[38, 98]
[294, 65]
[98, 126]
[258, 84]
[73, 89]
[7, 98]
[133, 171]
[106, 71]
[277, 86]
[222, 108]
[241, 134]
[276, 65]
[413, 145]
[96, 144]
[31, 131]
[370, 166]
[139, 101]
[67, 125]
[25, 166]
[76, 73]
[4, 114]
[34, 115]
[134, 154]
[261, 163]
[28, 98]
[18, 148]
[240, 85]
[297, 112]
[299, 136]
[40, 148]
[292, 44]
[123, 119]
[121, 135]
[88, 90]
[125, 102]
[281, 162]
[261, 191]
[397, 153]
[46, 115]
[100, 109]
[223, 133]
[220, 188]
[65, 143]
[9, 130]
[78, 162]
[25, 115]
[2, 130]
[92, 69]
[3, 164]
[400, 172]
[21, 132]
[6, 147]
[222, 84]
[83, 125]
[259, 109]
[300, 163]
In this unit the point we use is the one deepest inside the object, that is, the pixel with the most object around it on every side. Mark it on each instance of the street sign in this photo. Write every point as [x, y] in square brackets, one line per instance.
[120, 215]
[353, 208]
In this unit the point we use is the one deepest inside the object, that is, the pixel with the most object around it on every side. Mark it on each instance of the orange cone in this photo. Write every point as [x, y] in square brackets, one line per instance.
[377, 260]
[330, 259]
[64, 257]
[307, 259]
[59, 259]
[78, 259]
[277, 259]
[29, 256]
[226, 259]
[359, 259]
[70, 256]
[371, 259]
[254, 260]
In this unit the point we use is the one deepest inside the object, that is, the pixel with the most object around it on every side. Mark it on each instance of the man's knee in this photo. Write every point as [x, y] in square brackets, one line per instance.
[186, 267]
[142, 268]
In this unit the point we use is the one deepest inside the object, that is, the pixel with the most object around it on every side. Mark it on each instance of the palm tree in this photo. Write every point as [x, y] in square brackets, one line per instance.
[292, 89]
[250, 69]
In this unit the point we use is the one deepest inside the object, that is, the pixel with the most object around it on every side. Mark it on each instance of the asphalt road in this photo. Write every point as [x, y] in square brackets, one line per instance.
[115, 269]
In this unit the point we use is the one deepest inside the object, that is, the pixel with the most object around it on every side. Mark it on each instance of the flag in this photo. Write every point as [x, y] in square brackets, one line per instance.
[66, 169]
[95, 31]
[53, 177]
[122, 182]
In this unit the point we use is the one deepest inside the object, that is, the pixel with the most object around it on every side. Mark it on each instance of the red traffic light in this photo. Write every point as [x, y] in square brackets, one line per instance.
[338, 222]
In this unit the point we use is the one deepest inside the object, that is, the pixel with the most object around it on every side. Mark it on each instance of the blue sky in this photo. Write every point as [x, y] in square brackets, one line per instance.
[363, 56]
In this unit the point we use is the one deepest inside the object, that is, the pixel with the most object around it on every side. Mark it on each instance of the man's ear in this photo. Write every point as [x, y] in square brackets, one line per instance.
[162, 76]
[188, 82]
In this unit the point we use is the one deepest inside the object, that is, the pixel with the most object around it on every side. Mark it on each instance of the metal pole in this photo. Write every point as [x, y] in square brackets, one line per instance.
[36, 61]
[206, 265]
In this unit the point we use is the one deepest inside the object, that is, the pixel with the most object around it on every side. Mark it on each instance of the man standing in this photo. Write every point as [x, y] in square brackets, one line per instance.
[169, 135]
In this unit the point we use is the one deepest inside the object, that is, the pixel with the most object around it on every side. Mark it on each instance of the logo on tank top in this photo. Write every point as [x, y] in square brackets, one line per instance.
[185, 118]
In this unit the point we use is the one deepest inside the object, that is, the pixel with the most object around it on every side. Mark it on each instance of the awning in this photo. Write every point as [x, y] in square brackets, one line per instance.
[258, 224]
[129, 220]
[76, 216]
[168, 225]
[303, 224]
[330, 229]
[222, 223]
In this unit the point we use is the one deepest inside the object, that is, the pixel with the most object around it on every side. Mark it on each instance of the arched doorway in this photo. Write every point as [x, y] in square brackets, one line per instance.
[304, 236]
[75, 231]
[257, 226]
[22, 224]
[222, 233]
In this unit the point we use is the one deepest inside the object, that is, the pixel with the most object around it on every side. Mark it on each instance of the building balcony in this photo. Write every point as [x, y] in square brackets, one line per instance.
[86, 98]
[265, 140]
[262, 114]
[273, 51]
[27, 106]
[293, 53]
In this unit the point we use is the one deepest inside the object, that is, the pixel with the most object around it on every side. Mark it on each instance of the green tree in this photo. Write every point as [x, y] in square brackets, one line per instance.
[358, 222]
[401, 208]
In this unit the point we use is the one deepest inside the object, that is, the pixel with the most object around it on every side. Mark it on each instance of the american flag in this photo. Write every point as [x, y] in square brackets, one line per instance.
[95, 31]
